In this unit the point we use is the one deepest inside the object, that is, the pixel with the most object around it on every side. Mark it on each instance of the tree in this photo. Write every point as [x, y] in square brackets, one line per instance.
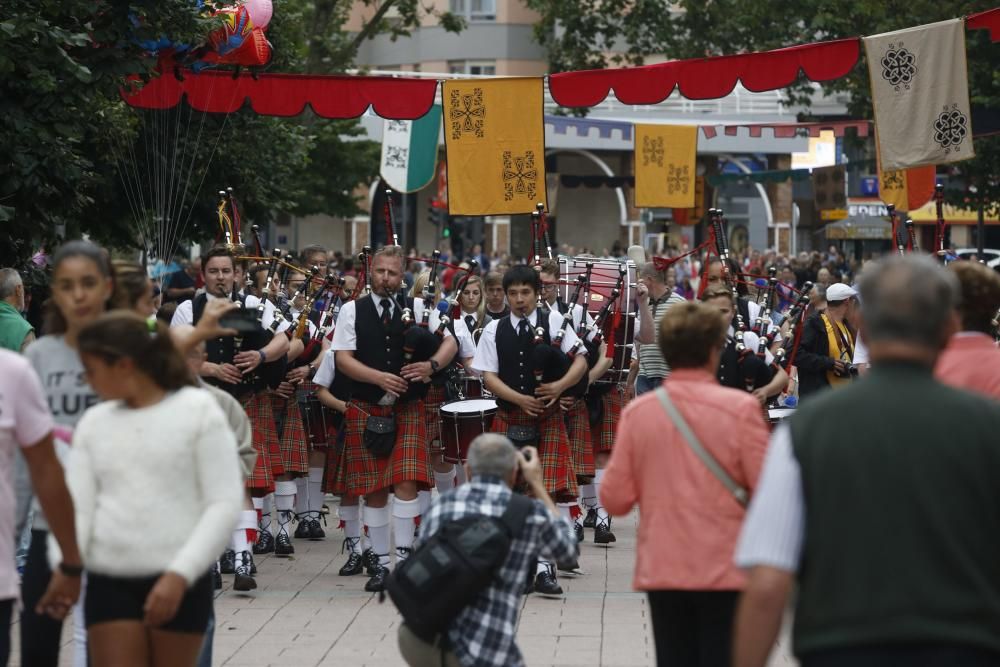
[600, 33]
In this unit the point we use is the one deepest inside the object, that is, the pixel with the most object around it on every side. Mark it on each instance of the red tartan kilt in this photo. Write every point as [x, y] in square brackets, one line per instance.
[332, 480]
[580, 445]
[432, 404]
[611, 404]
[410, 461]
[265, 441]
[293, 441]
[553, 448]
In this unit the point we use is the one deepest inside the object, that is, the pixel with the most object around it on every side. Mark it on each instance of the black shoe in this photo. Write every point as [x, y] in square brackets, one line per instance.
[578, 529]
[283, 544]
[353, 566]
[546, 584]
[377, 583]
[244, 580]
[603, 534]
[253, 564]
[370, 560]
[216, 578]
[568, 566]
[264, 543]
[227, 564]
[304, 529]
[591, 519]
[316, 531]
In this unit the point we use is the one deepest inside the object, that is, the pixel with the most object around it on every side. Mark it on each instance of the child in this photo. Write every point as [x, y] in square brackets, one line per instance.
[149, 585]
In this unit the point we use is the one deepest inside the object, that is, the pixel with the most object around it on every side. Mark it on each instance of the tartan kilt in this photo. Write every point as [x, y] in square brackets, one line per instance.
[333, 481]
[432, 405]
[553, 448]
[580, 445]
[292, 441]
[612, 404]
[410, 460]
[265, 441]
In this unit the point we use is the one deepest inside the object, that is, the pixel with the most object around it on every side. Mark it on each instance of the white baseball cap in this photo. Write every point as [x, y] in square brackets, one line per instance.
[839, 292]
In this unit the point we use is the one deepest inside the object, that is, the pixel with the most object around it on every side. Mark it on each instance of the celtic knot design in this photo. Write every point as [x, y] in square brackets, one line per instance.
[395, 156]
[652, 151]
[397, 126]
[467, 113]
[892, 180]
[519, 176]
[678, 179]
[898, 66]
[950, 128]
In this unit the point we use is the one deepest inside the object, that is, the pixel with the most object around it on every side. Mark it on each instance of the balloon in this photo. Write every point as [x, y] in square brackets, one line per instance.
[260, 12]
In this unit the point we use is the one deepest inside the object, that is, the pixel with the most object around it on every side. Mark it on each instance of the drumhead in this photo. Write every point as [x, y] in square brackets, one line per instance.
[780, 413]
[471, 406]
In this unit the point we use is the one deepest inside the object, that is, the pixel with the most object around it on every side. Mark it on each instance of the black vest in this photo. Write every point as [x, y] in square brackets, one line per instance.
[222, 351]
[380, 347]
[517, 369]
[734, 374]
[489, 317]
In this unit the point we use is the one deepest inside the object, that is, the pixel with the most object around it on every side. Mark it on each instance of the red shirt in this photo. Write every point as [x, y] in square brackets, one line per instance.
[971, 361]
[688, 521]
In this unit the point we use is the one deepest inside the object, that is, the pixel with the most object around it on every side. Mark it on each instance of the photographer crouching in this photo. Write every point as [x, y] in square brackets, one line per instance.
[827, 346]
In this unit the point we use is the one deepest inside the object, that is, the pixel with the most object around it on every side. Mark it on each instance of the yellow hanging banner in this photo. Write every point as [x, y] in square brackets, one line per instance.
[665, 158]
[495, 142]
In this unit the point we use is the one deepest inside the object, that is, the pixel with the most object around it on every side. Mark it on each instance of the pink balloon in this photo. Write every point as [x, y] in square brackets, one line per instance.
[260, 12]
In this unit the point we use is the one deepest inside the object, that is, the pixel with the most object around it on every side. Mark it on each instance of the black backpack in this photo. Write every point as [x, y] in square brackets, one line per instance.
[451, 569]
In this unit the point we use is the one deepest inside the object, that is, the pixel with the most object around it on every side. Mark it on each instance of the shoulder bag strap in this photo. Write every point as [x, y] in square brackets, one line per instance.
[739, 493]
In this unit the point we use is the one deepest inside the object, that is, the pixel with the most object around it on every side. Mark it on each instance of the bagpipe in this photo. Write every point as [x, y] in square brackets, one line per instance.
[795, 316]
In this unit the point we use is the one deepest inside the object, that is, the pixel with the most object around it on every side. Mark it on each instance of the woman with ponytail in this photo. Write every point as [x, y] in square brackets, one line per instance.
[149, 586]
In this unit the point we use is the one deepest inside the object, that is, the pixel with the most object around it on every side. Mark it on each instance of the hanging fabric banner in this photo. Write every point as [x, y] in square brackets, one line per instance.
[907, 189]
[410, 151]
[665, 165]
[920, 92]
[495, 141]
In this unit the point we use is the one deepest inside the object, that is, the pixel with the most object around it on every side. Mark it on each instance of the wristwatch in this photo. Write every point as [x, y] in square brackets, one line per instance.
[435, 366]
[71, 570]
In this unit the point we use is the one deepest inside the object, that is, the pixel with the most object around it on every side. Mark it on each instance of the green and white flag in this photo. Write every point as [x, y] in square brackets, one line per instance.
[410, 150]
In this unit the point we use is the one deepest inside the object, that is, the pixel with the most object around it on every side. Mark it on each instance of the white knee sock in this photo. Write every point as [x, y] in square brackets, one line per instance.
[566, 511]
[284, 501]
[315, 486]
[543, 566]
[444, 481]
[302, 497]
[424, 497]
[268, 508]
[377, 520]
[351, 516]
[588, 496]
[240, 540]
[602, 514]
[403, 514]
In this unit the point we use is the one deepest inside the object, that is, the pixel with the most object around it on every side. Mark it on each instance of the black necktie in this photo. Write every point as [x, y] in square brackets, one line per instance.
[470, 322]
[522, 328]
[386, 311]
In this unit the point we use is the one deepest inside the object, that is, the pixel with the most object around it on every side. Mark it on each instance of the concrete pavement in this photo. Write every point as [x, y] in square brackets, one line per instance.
[303, 614]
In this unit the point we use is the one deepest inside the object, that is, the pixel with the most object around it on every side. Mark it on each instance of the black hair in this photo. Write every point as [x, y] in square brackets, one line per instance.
[123, 334]
[522, 274]
[218, 251]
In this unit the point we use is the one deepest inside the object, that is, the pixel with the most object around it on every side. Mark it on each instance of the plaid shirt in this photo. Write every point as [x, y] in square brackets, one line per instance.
[483, 633]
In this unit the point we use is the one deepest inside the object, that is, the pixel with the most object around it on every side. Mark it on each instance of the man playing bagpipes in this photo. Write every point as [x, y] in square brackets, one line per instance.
[526, 369]
[825, 353]
[385, 445]
[247, 366]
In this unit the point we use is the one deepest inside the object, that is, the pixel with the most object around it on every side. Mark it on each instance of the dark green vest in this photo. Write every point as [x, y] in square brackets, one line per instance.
[901, 479]
[13, 327]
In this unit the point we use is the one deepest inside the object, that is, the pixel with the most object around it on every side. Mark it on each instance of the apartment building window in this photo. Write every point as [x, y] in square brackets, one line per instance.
[474, 67]
[475, 10]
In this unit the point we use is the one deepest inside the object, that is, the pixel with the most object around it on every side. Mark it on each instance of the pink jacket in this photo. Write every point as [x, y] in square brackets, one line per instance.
[688, 521]
[971, 361]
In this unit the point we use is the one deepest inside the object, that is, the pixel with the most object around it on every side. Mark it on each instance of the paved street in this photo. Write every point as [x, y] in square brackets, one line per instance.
[304, 614]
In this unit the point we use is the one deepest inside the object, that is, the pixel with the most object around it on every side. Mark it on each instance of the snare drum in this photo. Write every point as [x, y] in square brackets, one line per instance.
[314, 420]
[604, 278]
[461, 422]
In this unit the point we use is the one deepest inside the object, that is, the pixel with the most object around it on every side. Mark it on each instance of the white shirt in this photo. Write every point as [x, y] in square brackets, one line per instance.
[345, 337]
[861, 352]
[185, 312]
[486, 359]
[466, 342]
[774, 528]
[327, 370]
[126, 465]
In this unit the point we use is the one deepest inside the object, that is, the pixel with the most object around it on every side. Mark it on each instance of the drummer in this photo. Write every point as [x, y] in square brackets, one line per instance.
[504, 357]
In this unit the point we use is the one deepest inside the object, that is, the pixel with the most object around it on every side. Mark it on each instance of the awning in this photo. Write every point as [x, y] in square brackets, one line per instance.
[927, 215]
[859, 229]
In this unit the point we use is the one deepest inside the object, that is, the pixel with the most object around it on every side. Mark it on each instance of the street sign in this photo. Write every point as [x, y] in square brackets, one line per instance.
[833, 214]
[869, 186]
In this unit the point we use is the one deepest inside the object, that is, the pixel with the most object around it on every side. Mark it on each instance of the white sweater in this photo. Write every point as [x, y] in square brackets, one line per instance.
[156, 488]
